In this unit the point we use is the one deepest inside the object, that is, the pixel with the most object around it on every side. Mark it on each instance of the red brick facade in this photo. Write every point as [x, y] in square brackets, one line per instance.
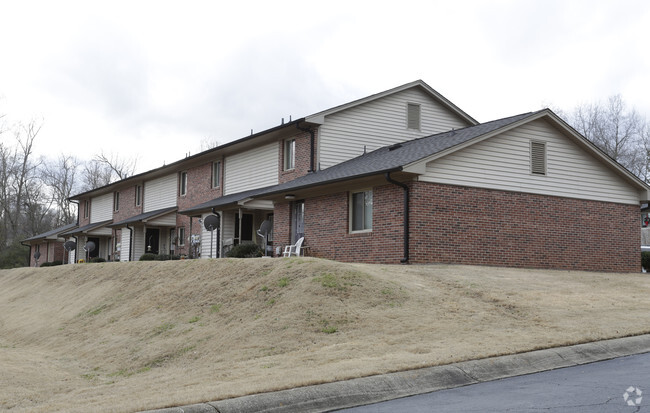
[461, 225]
[303, 153]
[50, 251]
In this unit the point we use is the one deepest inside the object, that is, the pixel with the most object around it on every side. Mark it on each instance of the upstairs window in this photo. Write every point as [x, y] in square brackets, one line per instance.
[216, 174]
[116, 201]
[86, 208]
[413, 116]
[361, 211]
[538, 158]
[289, 154]
[138, 195]
[183, 183]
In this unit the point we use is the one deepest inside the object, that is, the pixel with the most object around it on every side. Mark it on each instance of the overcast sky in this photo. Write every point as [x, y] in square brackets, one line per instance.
[152, 79]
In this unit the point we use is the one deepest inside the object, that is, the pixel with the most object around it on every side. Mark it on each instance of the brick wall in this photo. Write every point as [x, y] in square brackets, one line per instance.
[50, 251]
[127, 208]
[199, 190]
[487, 227]
[303, 153]
[461, 225]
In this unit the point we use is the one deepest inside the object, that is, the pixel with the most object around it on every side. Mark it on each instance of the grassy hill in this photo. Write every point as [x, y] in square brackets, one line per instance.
[143, 335]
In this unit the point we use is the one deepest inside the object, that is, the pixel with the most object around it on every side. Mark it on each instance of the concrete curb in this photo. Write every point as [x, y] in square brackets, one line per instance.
[366, 390]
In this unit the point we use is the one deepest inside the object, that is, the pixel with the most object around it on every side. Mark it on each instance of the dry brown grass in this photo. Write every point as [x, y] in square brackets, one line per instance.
[142, 335]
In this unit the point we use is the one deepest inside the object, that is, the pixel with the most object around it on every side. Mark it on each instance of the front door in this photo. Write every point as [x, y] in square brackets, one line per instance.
[246, 228]
[297, 221]
[152, 239]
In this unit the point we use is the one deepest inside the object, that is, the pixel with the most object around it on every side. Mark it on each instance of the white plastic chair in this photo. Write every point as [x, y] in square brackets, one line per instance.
[290, 250]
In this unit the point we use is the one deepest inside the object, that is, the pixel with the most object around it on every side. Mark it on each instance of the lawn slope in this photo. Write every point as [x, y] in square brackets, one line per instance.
[142, 335]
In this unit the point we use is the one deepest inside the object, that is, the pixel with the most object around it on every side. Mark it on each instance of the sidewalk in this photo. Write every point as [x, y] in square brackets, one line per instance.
[338, 395]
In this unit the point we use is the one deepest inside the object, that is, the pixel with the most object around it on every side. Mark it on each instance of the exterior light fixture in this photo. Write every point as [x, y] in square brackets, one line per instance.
[289, 196]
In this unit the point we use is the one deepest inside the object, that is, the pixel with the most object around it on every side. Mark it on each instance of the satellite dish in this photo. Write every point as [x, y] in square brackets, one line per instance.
[37, 255]
[90, 246]
[265, 228]
[70, 245]
[211, 222]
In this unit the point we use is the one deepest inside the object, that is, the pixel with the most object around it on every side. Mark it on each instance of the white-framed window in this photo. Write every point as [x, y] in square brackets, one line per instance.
[361, 211]
[537, 158]
[138, 195]
[413, 116]
[289, 154]
[183, 183]
[116, 201]
[181, 236]
[86, 208]
[216, 174]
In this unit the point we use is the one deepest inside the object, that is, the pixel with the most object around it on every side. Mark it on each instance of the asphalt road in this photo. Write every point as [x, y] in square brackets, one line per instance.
[595, 387]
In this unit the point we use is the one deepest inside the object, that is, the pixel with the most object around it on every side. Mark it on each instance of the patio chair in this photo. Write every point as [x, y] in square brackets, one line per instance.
[290, 250]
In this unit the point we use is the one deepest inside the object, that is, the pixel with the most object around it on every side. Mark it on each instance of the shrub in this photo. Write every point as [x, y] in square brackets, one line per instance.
[97, 259]
[52, 264]
[166, 257]
[148, 257]
[645, 260]
[247, 250]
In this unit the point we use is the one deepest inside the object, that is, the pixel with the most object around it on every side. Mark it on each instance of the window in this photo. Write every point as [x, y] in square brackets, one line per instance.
[116, 201]
[138, 195]
[183, 183]
[181, 236]
[289, 154]
[216, 174]
[413, 116]
[86, 208]
[538, 158]
[361, 211]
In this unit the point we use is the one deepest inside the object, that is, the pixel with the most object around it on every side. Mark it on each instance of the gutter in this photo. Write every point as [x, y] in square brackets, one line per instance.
[312, 144]
[406, 215]
[130, 242]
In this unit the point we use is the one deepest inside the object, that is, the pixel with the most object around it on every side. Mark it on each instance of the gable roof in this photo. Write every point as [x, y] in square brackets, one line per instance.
[320, 116]
[88, 227]
[53, 234]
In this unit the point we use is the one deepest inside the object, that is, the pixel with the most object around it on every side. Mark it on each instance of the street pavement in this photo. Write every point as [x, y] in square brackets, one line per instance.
[616, 385]
[375, 389]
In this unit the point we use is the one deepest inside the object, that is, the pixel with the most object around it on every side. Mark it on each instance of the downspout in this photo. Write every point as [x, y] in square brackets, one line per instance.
[406, 215]
[130, 241]
[312, 145]
[218, 250]
[76, 239]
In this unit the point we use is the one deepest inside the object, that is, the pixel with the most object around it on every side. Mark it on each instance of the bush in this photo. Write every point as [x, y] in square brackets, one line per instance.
[247, 250]
[167, 257]
[14, 256]
[97, 259]
[148, 257]
[645, 260]
[52, 264]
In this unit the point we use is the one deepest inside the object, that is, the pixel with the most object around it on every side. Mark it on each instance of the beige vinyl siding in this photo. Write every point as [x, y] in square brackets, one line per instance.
[503, 162]
[125, 247]
[206, 238]
[160, 193]
[379, 123]
[254, 168]
[101, 208]
[168, 220]
[138, 242]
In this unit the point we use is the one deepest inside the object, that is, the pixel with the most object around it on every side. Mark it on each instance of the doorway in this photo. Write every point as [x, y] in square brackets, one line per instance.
[152, 237]
[297, 221]
[246, 228]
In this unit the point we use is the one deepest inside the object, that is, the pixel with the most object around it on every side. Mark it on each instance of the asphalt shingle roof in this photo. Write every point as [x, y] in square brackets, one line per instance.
[143, 216]
[54, 232]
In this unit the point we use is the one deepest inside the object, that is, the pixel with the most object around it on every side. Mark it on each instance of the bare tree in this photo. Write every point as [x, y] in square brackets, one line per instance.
[61, 177]
[618, 131]
[95, 175]
[122, 168]
[208, 143]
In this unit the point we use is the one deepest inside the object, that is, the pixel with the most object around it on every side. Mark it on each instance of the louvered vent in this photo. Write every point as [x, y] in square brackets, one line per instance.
[538, 158]
[413, 116]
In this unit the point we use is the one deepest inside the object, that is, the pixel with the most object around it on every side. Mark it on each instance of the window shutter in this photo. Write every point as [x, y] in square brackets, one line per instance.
[538, 158]
[413, 116]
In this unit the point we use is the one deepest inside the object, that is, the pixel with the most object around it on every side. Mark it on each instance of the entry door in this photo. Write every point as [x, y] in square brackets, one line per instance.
[152, 240]
[297, 221]
[246, 228]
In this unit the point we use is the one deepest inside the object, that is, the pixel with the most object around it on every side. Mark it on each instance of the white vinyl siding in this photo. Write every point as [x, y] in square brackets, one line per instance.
[125, 247]
[379, 123]
[160, 193]
[503, 163]
[101, 208]
[254, 168]
[168, 220]
[138, 242]
[210, 238]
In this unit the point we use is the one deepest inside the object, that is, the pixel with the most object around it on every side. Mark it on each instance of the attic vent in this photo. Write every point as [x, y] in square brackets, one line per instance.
[413, 116]
[538, 158]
